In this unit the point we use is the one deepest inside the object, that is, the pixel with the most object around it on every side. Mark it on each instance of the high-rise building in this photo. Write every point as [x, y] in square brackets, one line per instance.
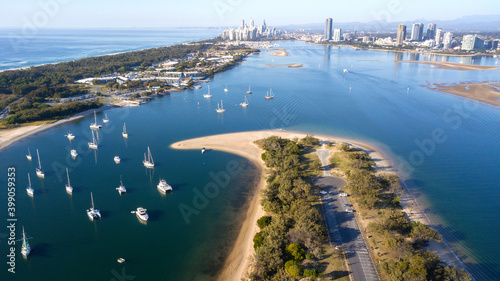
[494, 44]
[439, 33]
[431, 31]
[242, 23]
[472, 42]
[252, 24]
[416, 32]
[401, 36]
[337, 34]
[328, 29]
[447, 38]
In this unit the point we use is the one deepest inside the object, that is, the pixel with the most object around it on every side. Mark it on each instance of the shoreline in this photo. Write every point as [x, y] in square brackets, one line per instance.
[241, 144]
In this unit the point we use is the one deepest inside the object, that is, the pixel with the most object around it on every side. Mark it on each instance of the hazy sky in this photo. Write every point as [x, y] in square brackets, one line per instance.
[168, 13]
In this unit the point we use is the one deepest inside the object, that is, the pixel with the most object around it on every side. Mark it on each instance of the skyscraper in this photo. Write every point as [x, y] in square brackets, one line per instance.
[416, 31]
[431, 31]
[448, 36]
[439, 33]
[337, 34]
[242, 23]
[472, 42]
[328, 29]
[401, 35]
[252, 24]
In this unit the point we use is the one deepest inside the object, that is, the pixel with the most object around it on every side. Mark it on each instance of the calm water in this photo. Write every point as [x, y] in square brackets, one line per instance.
[456, 180]
[56, 45]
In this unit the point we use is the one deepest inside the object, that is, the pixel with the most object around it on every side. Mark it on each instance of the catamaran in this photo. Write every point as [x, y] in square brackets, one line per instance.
[148, 161]
[28, 156]
[92, 212]
[70, 136]
[249, 91]
[245, 103]
[117, 159]
[74, 153]
[95, 125]
[29, 189]
[225, 89]
[121, 189]
[25, 249]
[141, 214]
[163, 186]
[93, 144]
[69, 188]
[105, 120]
[208, 95]
[220, 108]
[124, 133]
[39, 172]
[269, 94]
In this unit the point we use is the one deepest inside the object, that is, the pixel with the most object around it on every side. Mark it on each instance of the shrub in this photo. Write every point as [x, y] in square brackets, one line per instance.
[293, 269]
[264, 221]
[258, 240]
[311, 273]
[296, 251]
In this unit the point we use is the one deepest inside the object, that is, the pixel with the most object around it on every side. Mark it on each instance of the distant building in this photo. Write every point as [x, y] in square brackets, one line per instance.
[439, 33]
[417, 32]
[431, 31]
[366, 39]
[401, 35]
[447, 38]
[249, 32]
[472, 42]
[328, 29]
[337, 34]
[494, 44]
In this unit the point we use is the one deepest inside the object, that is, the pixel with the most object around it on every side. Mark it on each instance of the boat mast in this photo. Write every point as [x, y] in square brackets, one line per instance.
[124, 129]
[92, 200]
[39, 163]
[150, 157]
[67, 174]
[29, 180]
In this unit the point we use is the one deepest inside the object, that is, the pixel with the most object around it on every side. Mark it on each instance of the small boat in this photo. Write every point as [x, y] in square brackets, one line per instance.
[28, 156]
[95, 125]
[148, 161]
[141, 214]
[249, 91]
[163, 186]
[208, 95]
[70, 136]
[203, 150]
[105, 120]
[117, 159]
[29, 189]
[92, 212]
[124, 133]
[197, 87]
[39, 172]
[220, 108]
[245, 103]
[74, 153]
[225, 89]
[270, 95]
[345, 70]
[121, 189]
[69, 188]
[93, 144]
[25, 248]
[120, 260]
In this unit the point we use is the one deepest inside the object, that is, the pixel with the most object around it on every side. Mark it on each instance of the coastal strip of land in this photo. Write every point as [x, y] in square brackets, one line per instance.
[487, 92]
[293, 65]
[242, 144]
[279, 53]
[454, 66]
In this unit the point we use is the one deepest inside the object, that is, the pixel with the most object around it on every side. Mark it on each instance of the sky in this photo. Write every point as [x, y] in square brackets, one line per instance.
[204, 13]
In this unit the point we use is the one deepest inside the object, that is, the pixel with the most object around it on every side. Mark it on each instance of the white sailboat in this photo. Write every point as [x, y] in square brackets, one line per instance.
[95, 125]
[70, 136]
[93, 144]
[207, 95]
[39, 172]
[29, 189]
[225, 89]
[220, 108]
[163, 186]
[105, 120]
[245, 103]
[249, 91]
[92, 212]
[74, 153]
[28, 156]
[148, 161]
[270, 95]
[121, 189]
[124, 133]
[69, 188]
[25, 248]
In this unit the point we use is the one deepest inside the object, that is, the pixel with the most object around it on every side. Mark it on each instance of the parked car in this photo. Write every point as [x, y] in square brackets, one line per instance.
[323, 192]
[347, 205]
[343, 194]
[349, 210]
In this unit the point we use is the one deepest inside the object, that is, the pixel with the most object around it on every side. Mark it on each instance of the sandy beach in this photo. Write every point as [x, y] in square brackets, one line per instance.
[10, 136]
[279, 53]
[484, 92]
[284, 65]
[455, 66]
[242, 144]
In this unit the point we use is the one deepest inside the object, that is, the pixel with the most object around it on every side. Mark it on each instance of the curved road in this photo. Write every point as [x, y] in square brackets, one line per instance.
[342, 226]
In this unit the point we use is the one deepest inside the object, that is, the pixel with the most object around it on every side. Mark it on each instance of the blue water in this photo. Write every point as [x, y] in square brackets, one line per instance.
[56, 45]
[455, 176]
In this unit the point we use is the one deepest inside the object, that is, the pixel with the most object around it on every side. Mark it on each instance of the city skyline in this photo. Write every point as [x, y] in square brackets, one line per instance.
[223, 13]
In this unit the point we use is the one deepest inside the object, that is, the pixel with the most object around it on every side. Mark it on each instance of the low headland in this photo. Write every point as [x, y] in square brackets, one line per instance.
[241, 259]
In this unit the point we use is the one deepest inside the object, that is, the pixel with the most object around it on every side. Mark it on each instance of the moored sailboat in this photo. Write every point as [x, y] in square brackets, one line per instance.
[29, 189]
[25, 248]
[207, 95]
[121, 189]
[28, 156]
[92, 212]
[148, 161]
[124, 133]
[69, 188]
[220, 108]
[93, 144]
[39, 172]
[95, 125]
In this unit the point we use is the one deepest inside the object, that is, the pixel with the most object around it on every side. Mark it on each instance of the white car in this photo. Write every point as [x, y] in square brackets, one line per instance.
[323, 192]
[343, 194]
[349, 210]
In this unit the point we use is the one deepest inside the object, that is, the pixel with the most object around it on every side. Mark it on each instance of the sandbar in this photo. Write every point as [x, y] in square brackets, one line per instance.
[279, 53]
[454, 66]
[487, 92]
[293, 65]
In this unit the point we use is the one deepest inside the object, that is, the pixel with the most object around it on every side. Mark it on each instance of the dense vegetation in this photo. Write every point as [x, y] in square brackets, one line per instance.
[293, 231]
[404, 240]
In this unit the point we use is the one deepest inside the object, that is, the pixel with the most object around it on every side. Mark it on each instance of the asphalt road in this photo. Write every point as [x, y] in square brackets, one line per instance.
[342, 225]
